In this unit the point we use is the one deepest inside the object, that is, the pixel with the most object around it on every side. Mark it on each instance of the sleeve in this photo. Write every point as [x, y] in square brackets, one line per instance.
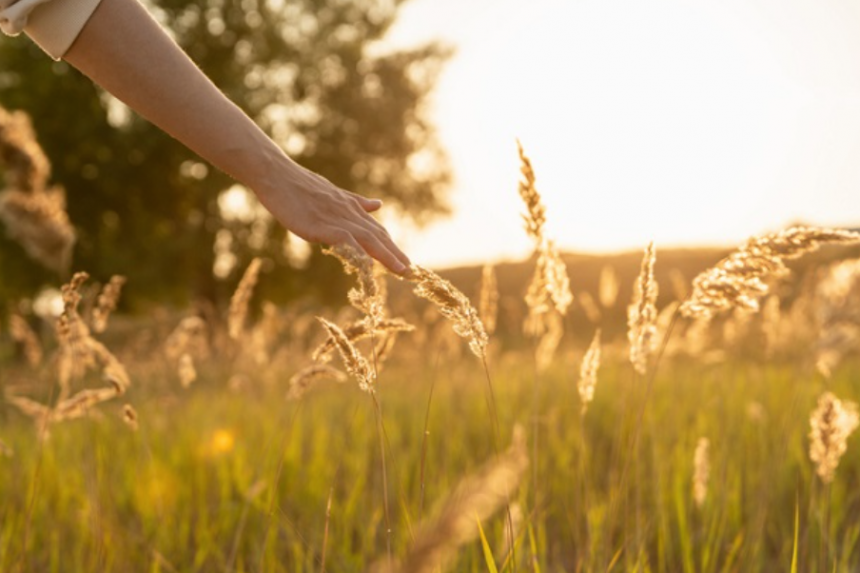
[53, 24]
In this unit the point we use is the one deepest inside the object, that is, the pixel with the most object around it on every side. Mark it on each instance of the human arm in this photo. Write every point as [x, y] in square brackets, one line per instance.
[125, 51]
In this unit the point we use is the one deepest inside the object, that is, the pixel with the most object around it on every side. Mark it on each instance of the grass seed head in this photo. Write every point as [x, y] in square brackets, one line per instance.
[25, 164]
[356, 365]
[241, 298]
[106, 303]
[642, 314]
[831, 423]
[307, 377]
[741, 279]
[535, 216]
[475, 499]
[129, 416]
[186, 370]
[701, 471]
[367, 297]
[488, 305]
[588, 372]
[39, 223]
[453, 305]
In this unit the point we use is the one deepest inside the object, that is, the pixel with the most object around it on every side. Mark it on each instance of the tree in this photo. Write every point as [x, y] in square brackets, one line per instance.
[305, 70]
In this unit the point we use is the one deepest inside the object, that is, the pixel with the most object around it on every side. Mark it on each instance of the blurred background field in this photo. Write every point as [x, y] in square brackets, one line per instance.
[182, 407]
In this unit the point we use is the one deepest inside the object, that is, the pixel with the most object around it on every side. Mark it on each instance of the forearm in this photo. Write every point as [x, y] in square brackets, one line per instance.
[125, 51]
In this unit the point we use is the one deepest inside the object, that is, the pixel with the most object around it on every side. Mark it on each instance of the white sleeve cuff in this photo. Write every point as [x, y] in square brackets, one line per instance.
[56, 24]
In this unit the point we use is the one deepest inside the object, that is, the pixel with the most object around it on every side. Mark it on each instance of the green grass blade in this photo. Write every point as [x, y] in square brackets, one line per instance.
[796, 533]
[533, 545]
[488, 553]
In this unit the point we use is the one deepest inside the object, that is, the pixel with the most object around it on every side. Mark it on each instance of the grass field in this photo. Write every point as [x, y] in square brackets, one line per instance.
[232, 477]
[204, 439]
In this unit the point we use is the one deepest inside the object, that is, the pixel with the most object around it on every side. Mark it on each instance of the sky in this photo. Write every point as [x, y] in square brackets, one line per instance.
[686, 123]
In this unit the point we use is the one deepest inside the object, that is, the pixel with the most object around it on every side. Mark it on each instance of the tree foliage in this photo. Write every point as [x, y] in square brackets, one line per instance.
[308, 71]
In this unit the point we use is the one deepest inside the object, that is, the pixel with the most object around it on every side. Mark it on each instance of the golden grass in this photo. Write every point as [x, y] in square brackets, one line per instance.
[831, 423]
[742, 279]
[474, 499]
[642, 314]
[588, 372]
[453, 305]
[701, 471]
[241, 298]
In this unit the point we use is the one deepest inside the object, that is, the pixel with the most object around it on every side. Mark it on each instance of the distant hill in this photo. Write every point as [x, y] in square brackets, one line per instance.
[673, 266]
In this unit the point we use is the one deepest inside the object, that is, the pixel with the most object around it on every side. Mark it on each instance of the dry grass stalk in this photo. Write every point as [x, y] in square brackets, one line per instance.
[23, 160]
[356, 365]
[831, 423]
[5, 450]
[488, 305]
[81, 403]
[360, 330]
[129, 416]
[609, 287]
[476, 498]
[453, 305]
[741, 279]
[535, 217]
[113, 370]
[307, 377]
[73, 335]
[106, 303]
[24, 335]
[549, 291]
[78, 351]
[77, 406]
[240, 299]
[513, 530]
[642, 314]
[550, 286]
[588, 372]
[34, 216]
[28, 407]
[186, 370]
[701, 471]
[367, 296]
[39, 223]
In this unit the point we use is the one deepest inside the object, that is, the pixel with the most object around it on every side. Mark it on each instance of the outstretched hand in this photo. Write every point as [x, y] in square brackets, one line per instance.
[318, 211]
[169, 90]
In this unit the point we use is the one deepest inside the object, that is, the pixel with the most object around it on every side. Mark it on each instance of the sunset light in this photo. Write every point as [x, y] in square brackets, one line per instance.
[688, 124]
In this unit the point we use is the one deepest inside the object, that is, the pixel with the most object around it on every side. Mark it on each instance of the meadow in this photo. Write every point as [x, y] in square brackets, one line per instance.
[604, 415]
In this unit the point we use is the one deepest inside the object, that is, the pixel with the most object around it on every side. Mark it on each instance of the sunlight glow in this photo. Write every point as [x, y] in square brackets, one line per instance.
[685, 123]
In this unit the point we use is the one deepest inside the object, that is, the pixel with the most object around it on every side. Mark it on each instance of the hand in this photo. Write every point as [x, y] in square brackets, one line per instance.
[316, 210]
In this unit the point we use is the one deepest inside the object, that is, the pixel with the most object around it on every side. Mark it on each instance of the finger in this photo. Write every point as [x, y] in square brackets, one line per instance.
[382, 235]
[374, 246]
[389, 244]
